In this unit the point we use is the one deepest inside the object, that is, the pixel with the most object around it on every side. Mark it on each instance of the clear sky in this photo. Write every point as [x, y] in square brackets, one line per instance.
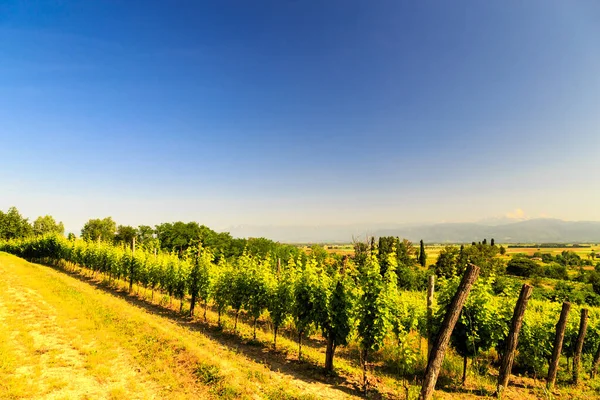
[300, 111]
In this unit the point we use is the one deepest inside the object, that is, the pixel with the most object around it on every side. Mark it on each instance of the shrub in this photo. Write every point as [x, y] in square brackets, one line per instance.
[521, 266]
[556, 271]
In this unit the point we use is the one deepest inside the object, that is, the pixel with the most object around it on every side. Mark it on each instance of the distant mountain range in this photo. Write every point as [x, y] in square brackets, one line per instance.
[541, 230]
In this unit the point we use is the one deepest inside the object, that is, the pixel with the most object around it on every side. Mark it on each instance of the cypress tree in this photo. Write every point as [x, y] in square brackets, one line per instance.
[422, 255]
[492, 243]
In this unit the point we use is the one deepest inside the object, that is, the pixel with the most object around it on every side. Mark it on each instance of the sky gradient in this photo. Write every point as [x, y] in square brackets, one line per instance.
[299, 112]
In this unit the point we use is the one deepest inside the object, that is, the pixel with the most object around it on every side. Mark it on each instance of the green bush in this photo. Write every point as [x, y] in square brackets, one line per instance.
[556, 271]
[522, 266]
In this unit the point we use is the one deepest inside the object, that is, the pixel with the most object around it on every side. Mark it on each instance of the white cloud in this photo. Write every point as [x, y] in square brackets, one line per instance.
[516, 214]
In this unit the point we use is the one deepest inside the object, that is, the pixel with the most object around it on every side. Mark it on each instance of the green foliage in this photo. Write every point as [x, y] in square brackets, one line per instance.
[484, 320]
[337, 325]
[125, 235]
[99, 229]
[281, 300]
[485, 257]
[387, 245]
[13, 225]
[568, 258]
[258, 284]
[373, 309]
[594, 279]
[46, 224]
[422, 254]
[522, 266]
[361, 252]
[306, 297]
[447, 262]
[405, 253]
[556, 271]
[451, 262]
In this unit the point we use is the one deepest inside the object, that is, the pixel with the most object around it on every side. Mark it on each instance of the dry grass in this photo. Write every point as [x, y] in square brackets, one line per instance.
[62, 338]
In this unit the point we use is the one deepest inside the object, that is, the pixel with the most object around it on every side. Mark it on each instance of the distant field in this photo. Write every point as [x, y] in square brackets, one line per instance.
[434, 250]
[582, 252]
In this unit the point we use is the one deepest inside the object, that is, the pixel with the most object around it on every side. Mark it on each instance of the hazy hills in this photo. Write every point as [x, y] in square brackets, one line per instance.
[529, 231]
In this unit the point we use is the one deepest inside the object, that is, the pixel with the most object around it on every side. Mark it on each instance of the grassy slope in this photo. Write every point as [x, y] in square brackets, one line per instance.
[62, 338]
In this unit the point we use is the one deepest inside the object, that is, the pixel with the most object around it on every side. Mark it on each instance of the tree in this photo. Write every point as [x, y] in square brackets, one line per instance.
[446, 264]
[485, 257]
[47, 224]
[568, 258]
[484, 242]
[13, 225]
[422, 255]
[405, 253]
[99, 229]
[492, 243]
[178, 235]
[502, 250]
[594, 279]
[125, 235]
[522, 266]
[361, 252]
[144, 233]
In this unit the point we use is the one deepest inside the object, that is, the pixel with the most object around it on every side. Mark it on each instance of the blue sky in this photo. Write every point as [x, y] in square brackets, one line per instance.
[299, 112]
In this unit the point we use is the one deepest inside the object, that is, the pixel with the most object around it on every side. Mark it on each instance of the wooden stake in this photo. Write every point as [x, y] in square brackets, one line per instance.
[558, 343]
[513, 338]
[596, 362]
[443, 337]
[430, 291]
[583, 322]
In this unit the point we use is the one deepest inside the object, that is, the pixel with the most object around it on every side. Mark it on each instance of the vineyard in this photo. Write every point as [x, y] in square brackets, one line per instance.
[354, 305]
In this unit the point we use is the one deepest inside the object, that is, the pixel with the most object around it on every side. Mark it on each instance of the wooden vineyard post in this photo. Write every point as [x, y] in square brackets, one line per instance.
[132, 265]
[558, 343]
[430, 291]
[443, 337]
[583, 322]
[513, 338]
[596, 363]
